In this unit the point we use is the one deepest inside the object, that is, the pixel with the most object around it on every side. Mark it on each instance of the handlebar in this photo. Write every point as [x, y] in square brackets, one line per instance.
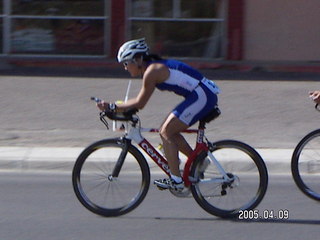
[97, 100]
[114, 115]
[317, 107]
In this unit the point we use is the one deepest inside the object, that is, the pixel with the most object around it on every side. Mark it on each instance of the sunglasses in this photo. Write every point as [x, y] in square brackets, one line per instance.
[126, 63]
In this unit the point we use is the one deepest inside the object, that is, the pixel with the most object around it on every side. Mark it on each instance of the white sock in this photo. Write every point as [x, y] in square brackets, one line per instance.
[176, 178]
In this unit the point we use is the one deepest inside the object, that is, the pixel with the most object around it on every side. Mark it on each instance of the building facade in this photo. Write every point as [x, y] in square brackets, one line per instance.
[96, 28]
[210, 30]
[286, 30]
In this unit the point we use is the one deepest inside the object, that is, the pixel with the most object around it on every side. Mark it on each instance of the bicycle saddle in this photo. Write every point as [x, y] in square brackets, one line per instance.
[211, 115]
[122, 116]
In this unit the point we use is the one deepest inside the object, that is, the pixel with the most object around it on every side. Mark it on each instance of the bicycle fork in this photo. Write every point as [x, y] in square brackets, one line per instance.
[116, 170]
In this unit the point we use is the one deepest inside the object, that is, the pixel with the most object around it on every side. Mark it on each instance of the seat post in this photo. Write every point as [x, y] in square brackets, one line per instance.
[201, 128]
[202, 124]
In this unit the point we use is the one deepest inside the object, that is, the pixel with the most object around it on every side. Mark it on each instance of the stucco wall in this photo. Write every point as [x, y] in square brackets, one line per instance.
[282, 30]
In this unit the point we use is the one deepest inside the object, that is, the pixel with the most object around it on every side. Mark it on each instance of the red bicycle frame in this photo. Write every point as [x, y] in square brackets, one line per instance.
[163, 163]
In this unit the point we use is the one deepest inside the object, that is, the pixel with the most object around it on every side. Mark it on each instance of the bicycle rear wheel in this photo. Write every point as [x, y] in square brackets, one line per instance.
[305, 165]
[99, 190]
[243, 191]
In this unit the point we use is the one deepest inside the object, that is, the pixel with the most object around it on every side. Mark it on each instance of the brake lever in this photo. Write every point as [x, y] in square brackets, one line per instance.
[103, 119]
[102, 113]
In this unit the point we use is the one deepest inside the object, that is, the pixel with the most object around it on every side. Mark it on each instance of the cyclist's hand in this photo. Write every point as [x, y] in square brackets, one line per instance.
[103, 105]
[315, 96]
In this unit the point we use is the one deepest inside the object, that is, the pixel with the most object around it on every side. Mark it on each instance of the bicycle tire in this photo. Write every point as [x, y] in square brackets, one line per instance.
[249, 173]
[98, 191]
[305, 165]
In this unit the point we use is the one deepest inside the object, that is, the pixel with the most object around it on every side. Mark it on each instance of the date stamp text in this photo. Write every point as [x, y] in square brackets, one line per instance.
[255, 214]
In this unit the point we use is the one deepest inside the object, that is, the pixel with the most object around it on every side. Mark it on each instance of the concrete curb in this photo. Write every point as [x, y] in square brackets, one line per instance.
[38, 158]
[63, 158]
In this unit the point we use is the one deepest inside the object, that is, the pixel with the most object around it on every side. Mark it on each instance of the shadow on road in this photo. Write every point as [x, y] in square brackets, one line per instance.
[216, 219]
[283, 221]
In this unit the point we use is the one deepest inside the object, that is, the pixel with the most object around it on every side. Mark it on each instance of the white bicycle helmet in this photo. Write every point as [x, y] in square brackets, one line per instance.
[129, 49]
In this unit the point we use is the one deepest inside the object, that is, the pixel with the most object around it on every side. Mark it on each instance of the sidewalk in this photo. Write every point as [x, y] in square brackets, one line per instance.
[272, 115]
[63, 158]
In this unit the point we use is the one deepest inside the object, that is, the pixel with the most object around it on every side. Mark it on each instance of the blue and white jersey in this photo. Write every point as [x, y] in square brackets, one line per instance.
[183, 79]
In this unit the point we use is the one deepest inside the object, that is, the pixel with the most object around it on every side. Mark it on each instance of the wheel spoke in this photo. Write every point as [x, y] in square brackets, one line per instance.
[103, 194]
[247, 182]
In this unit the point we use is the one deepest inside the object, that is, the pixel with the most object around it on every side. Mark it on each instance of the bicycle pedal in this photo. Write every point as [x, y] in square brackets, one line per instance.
[177, 190]
[162, 189]
[223, 192]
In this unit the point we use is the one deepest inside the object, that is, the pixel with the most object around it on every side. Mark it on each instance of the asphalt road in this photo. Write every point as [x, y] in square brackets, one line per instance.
[269, 112]
[43, 206]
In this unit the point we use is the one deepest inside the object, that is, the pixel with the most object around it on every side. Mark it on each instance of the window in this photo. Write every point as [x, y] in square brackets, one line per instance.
[1, 35]
[180, 28]
[1, 26]
[57, 36]
[58, 7]
[55, 27]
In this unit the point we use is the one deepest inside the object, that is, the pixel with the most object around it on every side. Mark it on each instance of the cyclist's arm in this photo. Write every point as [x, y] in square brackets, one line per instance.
[154, 74]
[315, 96]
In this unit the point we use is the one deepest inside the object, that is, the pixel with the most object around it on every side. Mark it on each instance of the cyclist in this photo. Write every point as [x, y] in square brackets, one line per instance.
[200, 97]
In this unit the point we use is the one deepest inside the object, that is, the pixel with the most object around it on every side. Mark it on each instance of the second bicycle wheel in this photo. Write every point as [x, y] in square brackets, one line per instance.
[305, 165]
[99, 190]
[246, 187]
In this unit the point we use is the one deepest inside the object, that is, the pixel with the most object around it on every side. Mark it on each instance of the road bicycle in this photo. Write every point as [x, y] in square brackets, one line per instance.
[305, 164]
[111, 177]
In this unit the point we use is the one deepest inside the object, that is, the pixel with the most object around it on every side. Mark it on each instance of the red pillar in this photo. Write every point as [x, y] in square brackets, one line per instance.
[235, 29]
[117, 22]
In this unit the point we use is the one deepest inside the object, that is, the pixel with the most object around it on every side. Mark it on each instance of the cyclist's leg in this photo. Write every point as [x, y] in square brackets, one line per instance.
[194, 107]
[173, 141]
[183, 145]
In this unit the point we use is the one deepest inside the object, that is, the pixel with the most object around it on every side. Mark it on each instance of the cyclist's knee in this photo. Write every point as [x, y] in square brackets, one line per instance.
[171, 128]
[167, 134]
[164, 134]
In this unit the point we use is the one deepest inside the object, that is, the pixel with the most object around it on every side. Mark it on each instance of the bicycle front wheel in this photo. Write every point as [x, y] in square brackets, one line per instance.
[102, 191]
[305, 165]
[243, 189]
